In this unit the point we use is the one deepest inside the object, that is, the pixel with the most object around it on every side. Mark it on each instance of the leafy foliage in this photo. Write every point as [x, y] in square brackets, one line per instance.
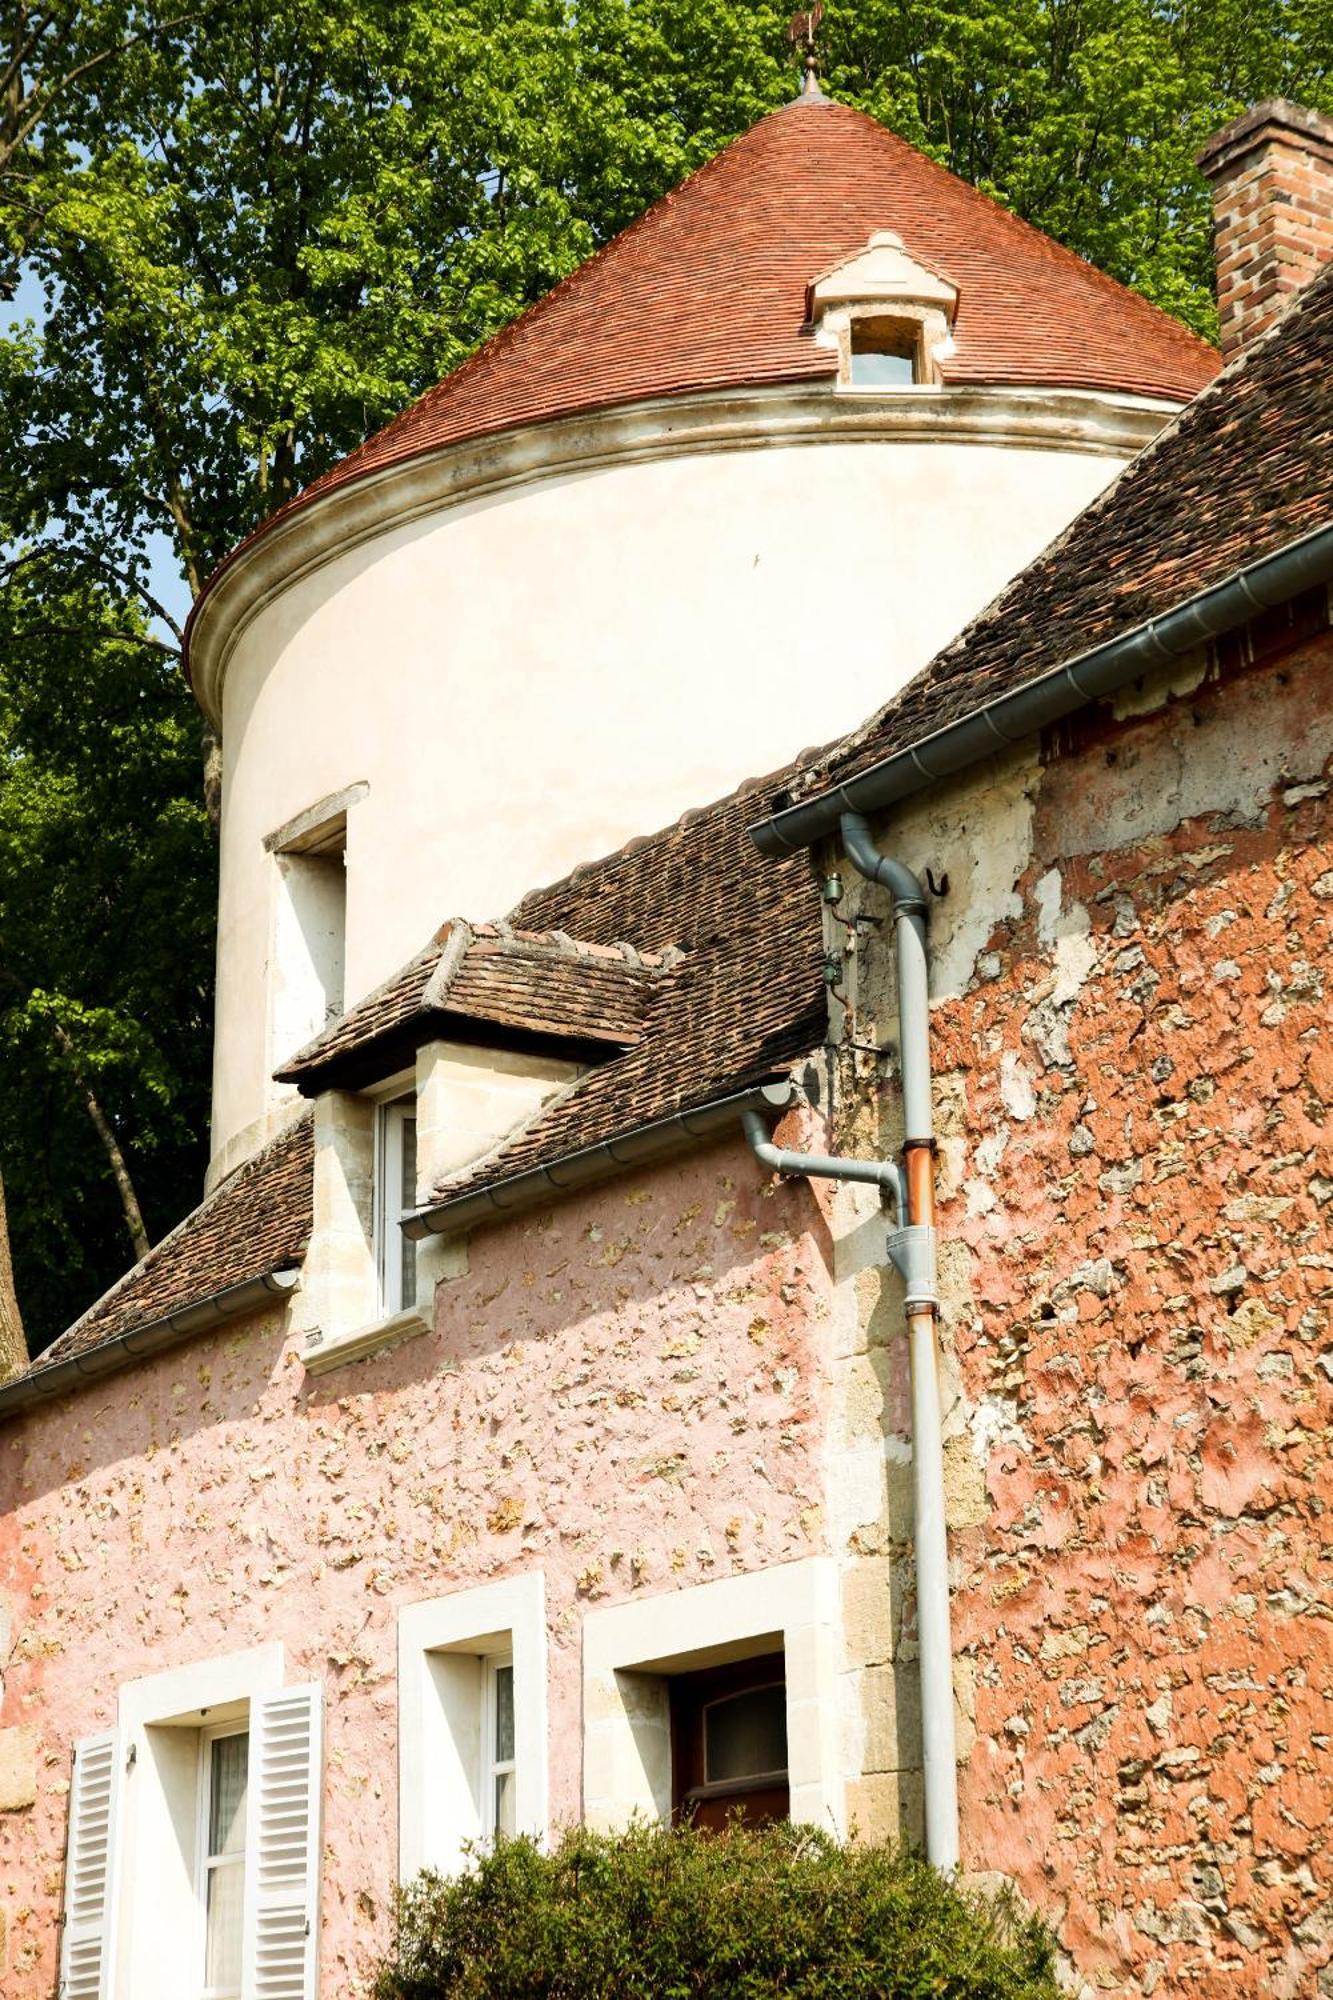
[106, 874]
[254, 230]
[678, 1914]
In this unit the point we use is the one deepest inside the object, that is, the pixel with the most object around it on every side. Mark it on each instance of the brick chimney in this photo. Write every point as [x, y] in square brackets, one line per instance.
[1272, 176]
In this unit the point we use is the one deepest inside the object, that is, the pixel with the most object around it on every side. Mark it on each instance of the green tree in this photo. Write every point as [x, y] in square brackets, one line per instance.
[257, 228]
[106, 868]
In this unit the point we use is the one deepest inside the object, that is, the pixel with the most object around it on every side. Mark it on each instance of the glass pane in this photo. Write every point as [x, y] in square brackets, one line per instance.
[226, 1894]
[408, 1197]
[894, 371]
[504, 1715]
[745, 1736]
[226, 1794]
[504, 1802]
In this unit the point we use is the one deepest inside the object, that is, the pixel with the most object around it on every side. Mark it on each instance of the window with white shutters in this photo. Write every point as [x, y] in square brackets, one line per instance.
[283, 1845]
[94, 1810]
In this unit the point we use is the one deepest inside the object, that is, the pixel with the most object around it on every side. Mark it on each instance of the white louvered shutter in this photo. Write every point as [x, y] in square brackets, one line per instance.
[283, 1842]
[90, 1868]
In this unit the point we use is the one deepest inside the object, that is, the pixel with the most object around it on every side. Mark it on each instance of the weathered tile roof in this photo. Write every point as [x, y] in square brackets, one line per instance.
[744, 999]
[535, 986]
[257, 1221]
[723, 988]
[1245, 470]
[707, 290]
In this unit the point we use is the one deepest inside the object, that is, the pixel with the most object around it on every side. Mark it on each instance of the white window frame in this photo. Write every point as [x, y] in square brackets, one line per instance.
[493, 1767]
[447, 1647]
[159, 1717]
[206, 1864]
[391, 1247]
[631, 1650]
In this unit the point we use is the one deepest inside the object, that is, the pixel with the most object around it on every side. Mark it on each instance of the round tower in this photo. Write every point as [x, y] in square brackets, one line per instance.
[711, 500]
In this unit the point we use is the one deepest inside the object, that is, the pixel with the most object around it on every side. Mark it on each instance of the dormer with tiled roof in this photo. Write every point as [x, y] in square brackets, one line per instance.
[707, 502]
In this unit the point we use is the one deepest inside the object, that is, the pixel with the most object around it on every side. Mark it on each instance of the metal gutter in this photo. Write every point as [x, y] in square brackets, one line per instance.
[1272, 580]
[42, 1383]
[458, 1213]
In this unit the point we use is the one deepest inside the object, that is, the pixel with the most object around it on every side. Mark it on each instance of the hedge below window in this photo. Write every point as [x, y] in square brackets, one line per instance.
[682, 1914]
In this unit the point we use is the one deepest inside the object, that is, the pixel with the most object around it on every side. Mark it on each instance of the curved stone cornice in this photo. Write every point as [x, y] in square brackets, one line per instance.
[348, 515]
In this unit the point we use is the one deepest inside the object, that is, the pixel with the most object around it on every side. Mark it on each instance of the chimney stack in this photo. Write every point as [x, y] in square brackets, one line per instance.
[1272, 176]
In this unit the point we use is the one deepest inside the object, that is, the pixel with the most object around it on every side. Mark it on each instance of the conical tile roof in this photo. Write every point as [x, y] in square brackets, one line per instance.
[707, 290]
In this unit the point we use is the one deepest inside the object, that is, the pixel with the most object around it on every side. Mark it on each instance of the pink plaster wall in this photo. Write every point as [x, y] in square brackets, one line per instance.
[627, 1392]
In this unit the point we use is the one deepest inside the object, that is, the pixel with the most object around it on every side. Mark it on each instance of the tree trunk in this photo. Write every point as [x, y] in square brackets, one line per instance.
[120, 1172]
[13, 1346]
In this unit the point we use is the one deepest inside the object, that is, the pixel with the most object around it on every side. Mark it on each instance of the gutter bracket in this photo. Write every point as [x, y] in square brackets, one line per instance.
[911, 1251]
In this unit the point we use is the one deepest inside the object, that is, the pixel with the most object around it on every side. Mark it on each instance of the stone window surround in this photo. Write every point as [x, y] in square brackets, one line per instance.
[468, 1099]
[630, 1651]
[443, 1644]
[160, 1717]
[931, 342]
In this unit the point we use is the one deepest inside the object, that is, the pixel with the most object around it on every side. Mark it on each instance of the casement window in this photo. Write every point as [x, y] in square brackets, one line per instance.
[499, 1777]
[472, 1745]
[224, 1763]
[195, 1839]
[719, 1698]
[395, 1181]
[729, 1742]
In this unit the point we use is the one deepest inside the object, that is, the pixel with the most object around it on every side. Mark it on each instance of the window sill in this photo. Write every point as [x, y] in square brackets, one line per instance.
[324, 1351]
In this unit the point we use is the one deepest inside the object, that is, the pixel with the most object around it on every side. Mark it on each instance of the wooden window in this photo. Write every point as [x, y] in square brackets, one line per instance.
[223, 1785]
[729, 1742]
[395, 1194]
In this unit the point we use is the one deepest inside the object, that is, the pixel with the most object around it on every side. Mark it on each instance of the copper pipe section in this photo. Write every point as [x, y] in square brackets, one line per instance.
[920, 1164]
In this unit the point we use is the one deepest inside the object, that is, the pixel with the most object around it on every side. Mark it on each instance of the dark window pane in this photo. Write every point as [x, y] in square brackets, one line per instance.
[504, 1715]
[745, 1735]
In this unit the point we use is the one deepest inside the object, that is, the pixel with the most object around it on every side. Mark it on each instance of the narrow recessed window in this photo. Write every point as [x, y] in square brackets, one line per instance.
[499, 1775]
[395, 1194]
[223, 1788]
[884, 354]
[309, 937]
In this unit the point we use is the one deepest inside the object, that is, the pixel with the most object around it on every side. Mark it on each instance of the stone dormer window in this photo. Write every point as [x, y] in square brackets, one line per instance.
[888, 316]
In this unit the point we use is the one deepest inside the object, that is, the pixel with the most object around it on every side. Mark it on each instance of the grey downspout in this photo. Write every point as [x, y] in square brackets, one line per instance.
[886, 1175]
[913, 1251]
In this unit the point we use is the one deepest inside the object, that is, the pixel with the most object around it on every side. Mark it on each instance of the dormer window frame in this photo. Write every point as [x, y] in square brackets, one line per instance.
[393, 1193]
[924, 330]
[884, 285]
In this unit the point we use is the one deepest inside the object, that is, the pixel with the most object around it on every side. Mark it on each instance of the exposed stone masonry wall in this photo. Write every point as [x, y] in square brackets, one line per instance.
[626, 1392]
[1136, 1094]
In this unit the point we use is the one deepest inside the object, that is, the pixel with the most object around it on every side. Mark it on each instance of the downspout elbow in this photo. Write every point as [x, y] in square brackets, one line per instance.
[909, 898]
[886, 1175]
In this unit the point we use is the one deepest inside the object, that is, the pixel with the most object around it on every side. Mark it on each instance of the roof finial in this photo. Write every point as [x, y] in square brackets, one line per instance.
[803, 29]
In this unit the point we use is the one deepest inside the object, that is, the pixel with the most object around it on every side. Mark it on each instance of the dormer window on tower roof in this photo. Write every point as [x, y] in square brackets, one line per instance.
[889, 316]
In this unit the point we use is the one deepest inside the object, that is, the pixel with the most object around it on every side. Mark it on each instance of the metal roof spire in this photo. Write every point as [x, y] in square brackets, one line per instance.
[804, 28]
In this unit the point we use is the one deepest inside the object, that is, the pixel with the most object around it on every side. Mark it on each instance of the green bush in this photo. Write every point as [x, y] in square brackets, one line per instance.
[655, 1914]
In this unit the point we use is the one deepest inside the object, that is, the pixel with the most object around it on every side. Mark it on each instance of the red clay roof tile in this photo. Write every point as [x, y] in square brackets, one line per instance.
[707, 290]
